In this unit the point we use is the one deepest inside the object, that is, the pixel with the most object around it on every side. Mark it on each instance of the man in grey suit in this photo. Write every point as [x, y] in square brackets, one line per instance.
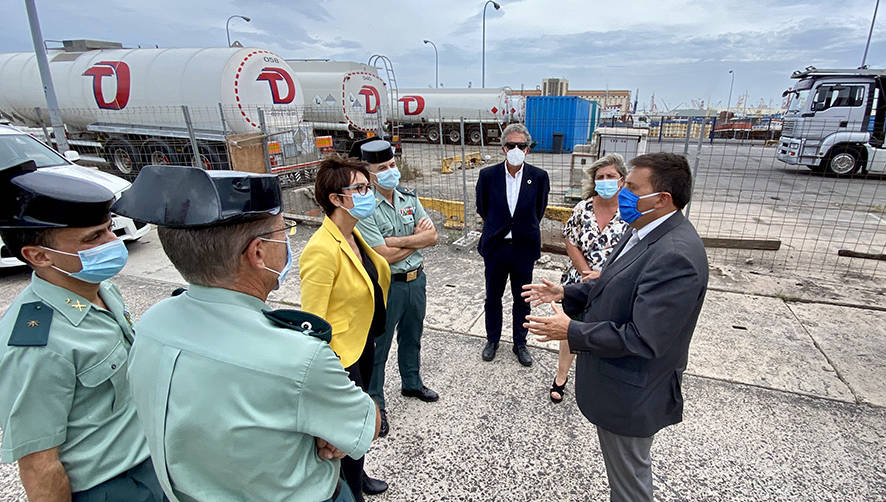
[637, 321]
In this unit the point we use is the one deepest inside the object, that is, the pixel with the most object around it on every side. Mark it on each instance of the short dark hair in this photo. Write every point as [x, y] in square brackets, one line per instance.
[334, 174]
[16, 238]
[670, 173]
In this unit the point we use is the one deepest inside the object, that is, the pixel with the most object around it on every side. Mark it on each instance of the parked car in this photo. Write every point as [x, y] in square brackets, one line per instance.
[17, 146]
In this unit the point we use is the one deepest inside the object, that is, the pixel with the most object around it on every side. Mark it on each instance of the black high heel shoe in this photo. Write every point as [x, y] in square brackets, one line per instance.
[559, 389]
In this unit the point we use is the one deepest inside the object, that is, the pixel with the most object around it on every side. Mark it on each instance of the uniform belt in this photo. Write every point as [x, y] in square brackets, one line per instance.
[407, 276]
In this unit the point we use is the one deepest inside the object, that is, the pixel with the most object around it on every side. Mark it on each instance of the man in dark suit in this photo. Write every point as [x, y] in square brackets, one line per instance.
[511, 199]
[638, 319]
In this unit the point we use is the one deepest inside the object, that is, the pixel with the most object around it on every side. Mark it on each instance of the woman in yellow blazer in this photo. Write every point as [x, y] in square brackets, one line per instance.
[345, 281]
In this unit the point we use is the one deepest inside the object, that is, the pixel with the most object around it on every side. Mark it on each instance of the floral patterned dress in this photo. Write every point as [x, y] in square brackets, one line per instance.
[581, 231]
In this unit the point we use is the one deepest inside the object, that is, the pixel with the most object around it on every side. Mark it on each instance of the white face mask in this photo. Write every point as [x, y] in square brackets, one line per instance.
[516, 157]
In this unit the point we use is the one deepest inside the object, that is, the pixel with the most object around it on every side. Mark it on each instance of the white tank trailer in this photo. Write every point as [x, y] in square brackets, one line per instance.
[127, 103]
[420, 112]
[342, 99]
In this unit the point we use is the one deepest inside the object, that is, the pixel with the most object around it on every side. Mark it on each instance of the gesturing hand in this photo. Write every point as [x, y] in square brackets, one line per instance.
[555, 327]
[326, 451]
[546, 292]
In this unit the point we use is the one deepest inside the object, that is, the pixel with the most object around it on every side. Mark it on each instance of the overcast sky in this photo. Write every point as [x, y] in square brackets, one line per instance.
[679, 50]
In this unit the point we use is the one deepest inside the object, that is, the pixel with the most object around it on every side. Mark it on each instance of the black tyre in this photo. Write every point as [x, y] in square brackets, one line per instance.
[474, 136]
[157, 152]
[453, 136]
[123, 157]
[433, 135]
[843, 161]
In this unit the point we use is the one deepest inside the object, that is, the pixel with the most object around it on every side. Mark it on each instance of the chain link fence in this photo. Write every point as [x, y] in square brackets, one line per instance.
[752, 208]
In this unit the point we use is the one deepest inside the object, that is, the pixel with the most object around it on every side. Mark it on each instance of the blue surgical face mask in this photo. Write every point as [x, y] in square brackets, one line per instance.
[364, 205]
[99, 263]
[627, 205]
[281, 275]
[606, 188]
[389, 178]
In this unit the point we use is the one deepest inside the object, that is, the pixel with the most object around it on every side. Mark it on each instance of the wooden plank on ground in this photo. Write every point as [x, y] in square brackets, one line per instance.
[765, 245]
[855, 254]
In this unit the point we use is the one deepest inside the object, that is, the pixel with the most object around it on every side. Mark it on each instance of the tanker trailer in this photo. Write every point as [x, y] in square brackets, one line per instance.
[343, 99]
[128, 103]
[486, 112]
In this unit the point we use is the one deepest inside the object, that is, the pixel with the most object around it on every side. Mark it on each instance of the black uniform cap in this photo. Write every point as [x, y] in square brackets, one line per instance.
[357, 146]
[182, 197]
[56, 198]
[376, 152]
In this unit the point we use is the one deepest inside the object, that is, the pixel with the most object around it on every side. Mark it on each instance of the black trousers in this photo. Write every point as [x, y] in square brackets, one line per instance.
[360, 373]
[138, 484]
[499, 267]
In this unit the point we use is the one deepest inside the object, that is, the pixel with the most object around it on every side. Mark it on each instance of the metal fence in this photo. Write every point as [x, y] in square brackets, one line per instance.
[752, 209]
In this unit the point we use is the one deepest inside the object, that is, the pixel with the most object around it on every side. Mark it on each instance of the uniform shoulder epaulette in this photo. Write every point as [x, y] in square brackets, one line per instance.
[178, 291]
[31, 327]
[303, 322]
[402, 189]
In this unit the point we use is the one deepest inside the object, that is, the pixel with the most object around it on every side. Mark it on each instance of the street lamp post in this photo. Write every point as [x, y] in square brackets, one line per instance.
[729, 101]
[497, 6]
[436, 63]
[873, 20]
[228, 26]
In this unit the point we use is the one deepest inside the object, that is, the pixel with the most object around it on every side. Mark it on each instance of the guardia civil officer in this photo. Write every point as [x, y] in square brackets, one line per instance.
[398, 230]
[65, 406]
[236, 397]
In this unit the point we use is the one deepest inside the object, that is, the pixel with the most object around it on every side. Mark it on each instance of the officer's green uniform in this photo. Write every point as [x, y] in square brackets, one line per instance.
[230, 394]
[63, 383]
[406, 299]
[231, 402]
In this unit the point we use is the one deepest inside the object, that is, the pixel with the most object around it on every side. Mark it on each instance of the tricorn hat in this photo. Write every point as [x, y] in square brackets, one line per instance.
[183, 197]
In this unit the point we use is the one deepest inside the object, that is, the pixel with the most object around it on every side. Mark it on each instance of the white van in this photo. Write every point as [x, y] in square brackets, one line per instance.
[17, 146]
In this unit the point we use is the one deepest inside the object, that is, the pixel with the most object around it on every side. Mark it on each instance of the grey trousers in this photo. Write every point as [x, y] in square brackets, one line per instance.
[628, 466]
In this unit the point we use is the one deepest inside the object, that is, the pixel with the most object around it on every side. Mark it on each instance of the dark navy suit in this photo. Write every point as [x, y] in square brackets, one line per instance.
[513, 257]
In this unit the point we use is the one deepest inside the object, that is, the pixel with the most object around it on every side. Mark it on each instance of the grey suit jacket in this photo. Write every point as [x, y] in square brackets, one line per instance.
[638, 319]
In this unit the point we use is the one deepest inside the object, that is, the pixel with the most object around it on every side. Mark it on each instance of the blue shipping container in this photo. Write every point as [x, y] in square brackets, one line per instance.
[558, 121]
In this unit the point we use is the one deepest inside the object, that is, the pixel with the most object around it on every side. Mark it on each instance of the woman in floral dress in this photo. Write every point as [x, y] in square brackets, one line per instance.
[591, 233]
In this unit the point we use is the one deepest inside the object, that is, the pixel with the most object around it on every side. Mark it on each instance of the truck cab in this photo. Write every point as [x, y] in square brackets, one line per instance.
[835, 121]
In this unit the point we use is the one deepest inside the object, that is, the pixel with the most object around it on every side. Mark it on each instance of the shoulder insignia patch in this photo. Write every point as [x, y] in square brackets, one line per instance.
[178, 291]
[402, 189]
[32, 325]
[303, 322]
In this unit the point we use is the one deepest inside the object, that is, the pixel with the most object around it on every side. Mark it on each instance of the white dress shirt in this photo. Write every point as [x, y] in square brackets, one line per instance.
[512, 187]
[637, 235]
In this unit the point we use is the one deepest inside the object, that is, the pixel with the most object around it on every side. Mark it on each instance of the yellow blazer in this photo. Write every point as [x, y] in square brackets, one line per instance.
[336, 287]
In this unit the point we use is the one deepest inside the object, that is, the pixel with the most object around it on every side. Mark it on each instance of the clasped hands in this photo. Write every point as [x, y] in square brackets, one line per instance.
[549, 328]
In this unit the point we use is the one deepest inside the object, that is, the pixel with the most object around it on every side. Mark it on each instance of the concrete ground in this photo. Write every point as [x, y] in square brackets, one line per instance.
[785, 394]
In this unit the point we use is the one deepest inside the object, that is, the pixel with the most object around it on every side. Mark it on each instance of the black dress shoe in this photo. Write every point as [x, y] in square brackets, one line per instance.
[425, 394]
[373, 486]
[489, 351]
[383, 430]
[523, 355]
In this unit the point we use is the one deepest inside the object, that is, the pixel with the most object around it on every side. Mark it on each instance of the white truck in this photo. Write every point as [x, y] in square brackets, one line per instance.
[17, 146]
[126, 105]
[835, 121]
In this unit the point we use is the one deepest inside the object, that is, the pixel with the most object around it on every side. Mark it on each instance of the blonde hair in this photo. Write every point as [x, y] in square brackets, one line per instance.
[610, 159]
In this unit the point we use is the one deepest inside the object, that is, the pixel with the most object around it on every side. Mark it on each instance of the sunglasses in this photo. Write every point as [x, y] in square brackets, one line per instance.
[511, 145]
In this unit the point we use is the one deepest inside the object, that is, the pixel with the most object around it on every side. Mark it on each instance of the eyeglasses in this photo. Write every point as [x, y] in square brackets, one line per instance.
[511, 145]
[289, 228]
[360, 188]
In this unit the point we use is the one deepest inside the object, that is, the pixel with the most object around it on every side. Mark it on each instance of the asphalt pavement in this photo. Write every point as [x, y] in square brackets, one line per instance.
[785, 393]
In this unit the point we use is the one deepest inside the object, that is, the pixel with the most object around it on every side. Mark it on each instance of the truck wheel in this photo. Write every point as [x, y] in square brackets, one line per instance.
[474, 136]
[122, 156]
[157, 153]
[433, 135]
[209, 159]
[454, 136]
[843, 161]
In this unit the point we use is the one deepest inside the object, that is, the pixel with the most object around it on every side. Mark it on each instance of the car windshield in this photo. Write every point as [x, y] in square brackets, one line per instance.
[798, 100]
[18, 148]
